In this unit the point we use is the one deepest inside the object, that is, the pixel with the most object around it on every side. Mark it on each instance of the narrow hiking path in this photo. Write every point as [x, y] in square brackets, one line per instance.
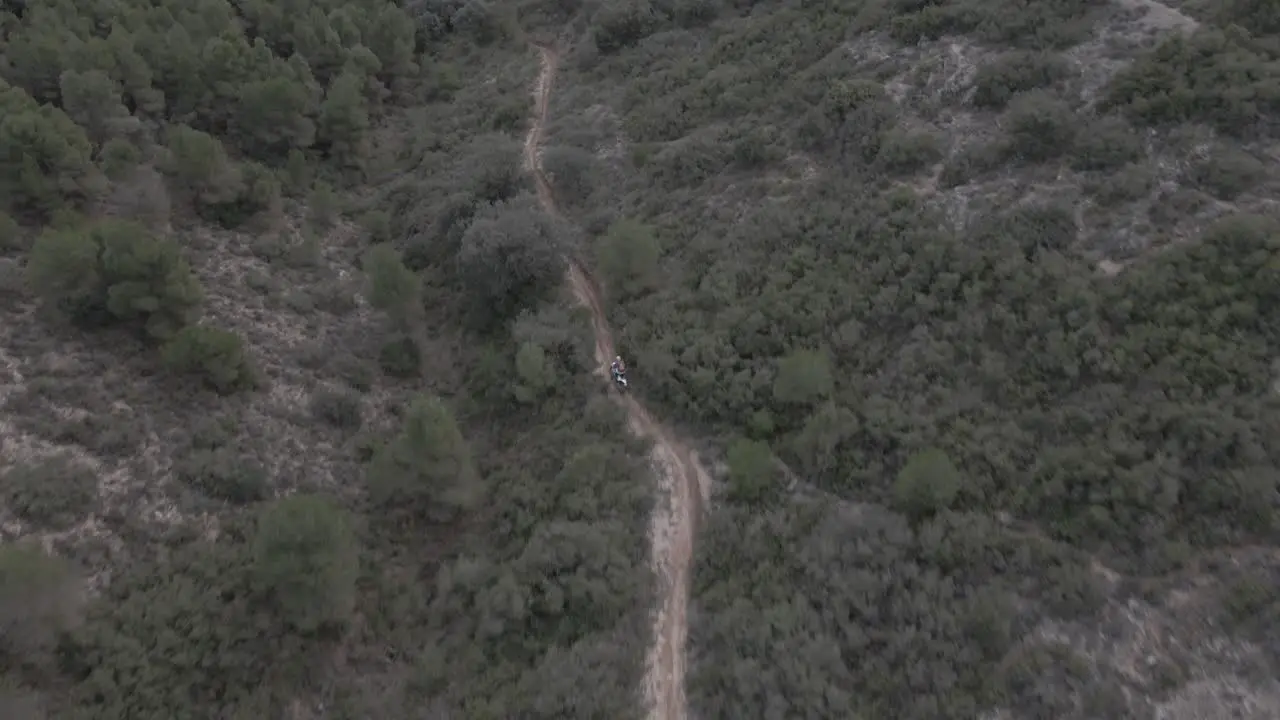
[684, 484]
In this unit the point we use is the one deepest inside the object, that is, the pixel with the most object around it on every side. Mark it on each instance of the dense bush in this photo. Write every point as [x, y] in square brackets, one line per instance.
[1227, 172]
[337, 408]
[393, 288]
[510, 256]
[55, 492]
[216, 356]
[1016, 72]
[751, 471]
[1040, 127]
[1257, 16]
[10, 233]
[1216, 77]
[628, 257]
[400, 357]
[307, 559]
[908, 152]
[1106, 145]
[926, 484]
[1058, 24]
[1128, 183]
[189, 629]
[223, 474]
[856, 617]
[115, 271]
[622, 24]
[574, 172]
[426, 472]
[45, 158]
[40, 599]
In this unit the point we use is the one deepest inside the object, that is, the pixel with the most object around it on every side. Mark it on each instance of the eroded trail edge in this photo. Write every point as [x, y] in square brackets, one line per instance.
[684, 484]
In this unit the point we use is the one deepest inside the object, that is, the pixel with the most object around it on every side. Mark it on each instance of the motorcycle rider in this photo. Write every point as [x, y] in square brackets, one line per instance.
[617, 367]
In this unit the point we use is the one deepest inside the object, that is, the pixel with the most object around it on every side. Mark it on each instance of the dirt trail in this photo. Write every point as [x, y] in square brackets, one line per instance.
[684, 483]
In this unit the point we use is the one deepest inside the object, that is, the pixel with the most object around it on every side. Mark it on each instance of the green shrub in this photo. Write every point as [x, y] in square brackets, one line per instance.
[622, 24]
[93, 100]
[1260, 17]
[197, 165]
[377, 225]
[337, 408]
[997, 22]
[39, 600]
[297, 174]
[119, 158]
[343, 119]
[1057, 24]
[400, 357]
[629, 253]
[970, 163]
[322, 207]
[307, 557]
[46, 160]
[510, 256]
[1214, 77]
[689, 163]
[214, 355]
[849, 121]
[754, 150]
[181, 628]
[904, 152]
[1016, 72]
[1227, 173]
[115, 271]
[426, 472]
[262, 191]
[10, 234]
[355, 373]
[1040, 126]
[573, 172]
[1075, 591]
[536, 374]
[692, 13]
[1248, 597]
[1106, 145]
[392, 287]
[752, 474]
[225, 475]
[931, 23]
[1129, 183]
[1031, 227]
[928, 483]
[804, 377]
[55, 492]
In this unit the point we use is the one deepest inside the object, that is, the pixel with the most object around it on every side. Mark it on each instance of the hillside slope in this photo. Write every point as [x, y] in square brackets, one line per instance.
[976, 298]
[969, 306]
[296, 422]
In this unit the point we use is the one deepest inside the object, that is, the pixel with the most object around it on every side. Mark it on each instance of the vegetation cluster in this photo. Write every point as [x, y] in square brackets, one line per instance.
[973, 300]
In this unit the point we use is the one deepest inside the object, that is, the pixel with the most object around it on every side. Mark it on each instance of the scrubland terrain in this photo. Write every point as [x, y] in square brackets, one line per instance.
[969, 308]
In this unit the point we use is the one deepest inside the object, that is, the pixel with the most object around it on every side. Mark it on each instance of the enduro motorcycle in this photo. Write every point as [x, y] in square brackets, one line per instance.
[619, 378]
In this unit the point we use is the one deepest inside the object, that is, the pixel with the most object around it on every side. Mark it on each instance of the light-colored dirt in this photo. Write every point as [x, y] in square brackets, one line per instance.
[1159, 16]
[684, 483]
